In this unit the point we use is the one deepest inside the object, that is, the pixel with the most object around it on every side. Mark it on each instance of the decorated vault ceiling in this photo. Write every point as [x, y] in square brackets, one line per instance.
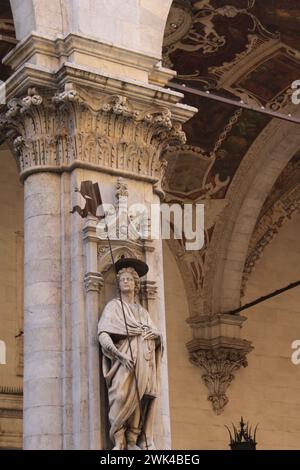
[243, 49]
[280, 206]
[246, 50]
[7, 36]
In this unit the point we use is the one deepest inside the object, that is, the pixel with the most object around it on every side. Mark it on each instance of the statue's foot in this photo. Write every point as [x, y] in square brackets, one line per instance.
[119, 439]
[133, 447]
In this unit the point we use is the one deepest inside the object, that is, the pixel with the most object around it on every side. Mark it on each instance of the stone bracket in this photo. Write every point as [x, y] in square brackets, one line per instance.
[219, 351]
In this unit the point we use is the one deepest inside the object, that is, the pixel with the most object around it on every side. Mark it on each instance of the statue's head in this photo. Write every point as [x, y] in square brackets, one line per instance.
[129, 280]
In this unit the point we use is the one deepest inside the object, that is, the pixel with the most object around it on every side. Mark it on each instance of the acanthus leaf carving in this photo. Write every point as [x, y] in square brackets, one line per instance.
[72, 126]
[219, 359]
[93, 282]
[219, 367]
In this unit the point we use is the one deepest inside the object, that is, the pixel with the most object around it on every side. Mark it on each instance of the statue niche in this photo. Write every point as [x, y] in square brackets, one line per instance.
[132, 350]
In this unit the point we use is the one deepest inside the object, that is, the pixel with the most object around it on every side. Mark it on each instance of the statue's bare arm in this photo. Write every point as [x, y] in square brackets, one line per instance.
[108, 345]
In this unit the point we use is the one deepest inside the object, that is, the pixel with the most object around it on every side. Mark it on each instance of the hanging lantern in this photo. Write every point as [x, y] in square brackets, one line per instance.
[242, 439]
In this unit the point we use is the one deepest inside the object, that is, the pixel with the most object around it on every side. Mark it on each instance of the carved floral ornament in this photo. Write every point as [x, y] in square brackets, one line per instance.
[57, 131]
[219, 366]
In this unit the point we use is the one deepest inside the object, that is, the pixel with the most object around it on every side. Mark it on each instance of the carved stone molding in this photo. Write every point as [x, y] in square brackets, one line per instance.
[20, 355]
[126, 248]
[8, 390]
[93, 282]
[11, 409]
[11, 414]
[219, 351]
[239, 187]
[268, 228]
[148, 290]
[72, 128]
[123, 222]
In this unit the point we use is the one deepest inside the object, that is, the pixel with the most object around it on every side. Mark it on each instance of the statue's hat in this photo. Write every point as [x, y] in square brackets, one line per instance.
[139, 266]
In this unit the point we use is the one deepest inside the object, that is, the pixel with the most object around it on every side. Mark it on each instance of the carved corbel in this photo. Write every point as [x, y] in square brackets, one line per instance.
[219, 352]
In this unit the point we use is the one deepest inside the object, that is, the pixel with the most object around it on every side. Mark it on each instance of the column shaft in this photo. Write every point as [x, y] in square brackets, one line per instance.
[42, 316]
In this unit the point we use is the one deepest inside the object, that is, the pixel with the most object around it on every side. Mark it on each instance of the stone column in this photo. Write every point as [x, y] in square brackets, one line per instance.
[42, 318]
[93, 281]
[84, 126]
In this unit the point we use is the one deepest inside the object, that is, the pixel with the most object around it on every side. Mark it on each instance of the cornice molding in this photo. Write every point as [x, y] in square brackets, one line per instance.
[9, 390]
[81, 50]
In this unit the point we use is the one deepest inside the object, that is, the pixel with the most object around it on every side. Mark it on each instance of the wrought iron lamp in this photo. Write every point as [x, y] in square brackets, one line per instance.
[242, 439]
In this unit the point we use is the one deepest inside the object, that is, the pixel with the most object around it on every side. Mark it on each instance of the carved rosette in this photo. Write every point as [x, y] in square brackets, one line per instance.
[93, 282]
[75, 128]
[219, 366]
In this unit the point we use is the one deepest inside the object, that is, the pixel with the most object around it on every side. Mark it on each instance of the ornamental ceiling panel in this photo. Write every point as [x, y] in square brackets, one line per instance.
[245, 50]
[242, 49]
[7, 36]
[204, 39]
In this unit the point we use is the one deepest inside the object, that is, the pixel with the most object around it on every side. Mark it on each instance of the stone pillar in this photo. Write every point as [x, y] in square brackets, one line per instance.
[83, 126]
[42, 319]
[156, 304]
[93, 282]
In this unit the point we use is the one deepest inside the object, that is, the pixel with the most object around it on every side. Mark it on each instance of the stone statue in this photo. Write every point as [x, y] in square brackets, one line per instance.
[126, 357]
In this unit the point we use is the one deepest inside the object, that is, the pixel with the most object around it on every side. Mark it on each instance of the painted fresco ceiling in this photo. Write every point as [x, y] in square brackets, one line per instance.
[7, 36]
[243, 49]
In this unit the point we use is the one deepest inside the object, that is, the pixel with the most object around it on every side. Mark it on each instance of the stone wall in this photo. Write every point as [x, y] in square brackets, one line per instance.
[267, 391]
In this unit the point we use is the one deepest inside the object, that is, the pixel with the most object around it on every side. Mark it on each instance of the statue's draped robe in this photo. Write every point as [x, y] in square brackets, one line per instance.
[122, 394]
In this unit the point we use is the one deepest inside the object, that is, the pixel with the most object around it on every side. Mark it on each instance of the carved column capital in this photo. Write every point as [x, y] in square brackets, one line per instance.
[148, 290]
[112, 133]
[93, 282]
[219, 351]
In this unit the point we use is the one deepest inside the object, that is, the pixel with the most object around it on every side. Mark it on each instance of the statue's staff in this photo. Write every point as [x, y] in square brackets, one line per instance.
[91, 193]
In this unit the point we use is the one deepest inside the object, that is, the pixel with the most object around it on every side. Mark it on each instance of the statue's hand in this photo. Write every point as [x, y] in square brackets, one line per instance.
[151, 334]
[126, 361]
